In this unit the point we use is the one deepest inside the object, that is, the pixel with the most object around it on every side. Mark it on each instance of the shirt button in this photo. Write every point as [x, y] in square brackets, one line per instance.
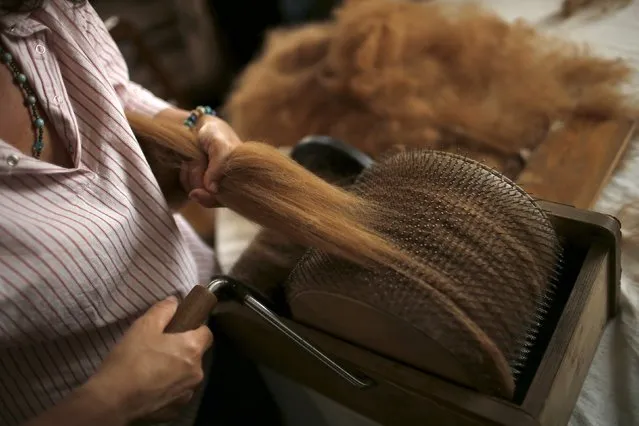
[13, 160]
[57, 99]
[40, 49]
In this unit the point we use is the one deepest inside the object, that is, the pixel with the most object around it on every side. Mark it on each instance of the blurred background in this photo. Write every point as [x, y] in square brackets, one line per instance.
[189, 51]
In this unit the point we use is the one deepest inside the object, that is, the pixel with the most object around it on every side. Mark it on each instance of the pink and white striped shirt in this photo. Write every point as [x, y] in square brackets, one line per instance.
[83, 251]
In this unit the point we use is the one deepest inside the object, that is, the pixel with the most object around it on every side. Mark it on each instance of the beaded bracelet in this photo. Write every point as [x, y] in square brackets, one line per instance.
[196, 114]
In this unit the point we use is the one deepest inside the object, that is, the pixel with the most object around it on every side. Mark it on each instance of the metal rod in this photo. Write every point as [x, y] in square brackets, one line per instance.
[272, 319]
[216, 284]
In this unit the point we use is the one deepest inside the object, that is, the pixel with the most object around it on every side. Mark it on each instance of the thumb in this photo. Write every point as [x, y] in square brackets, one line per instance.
[215, 145]
[159, 315]
[214, 171]
[218, 140]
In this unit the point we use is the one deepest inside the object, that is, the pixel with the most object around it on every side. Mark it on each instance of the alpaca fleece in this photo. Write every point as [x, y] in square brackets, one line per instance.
[387, 73]
[270, 189]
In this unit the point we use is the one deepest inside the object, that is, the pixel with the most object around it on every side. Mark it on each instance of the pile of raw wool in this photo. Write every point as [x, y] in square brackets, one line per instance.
[389, 73]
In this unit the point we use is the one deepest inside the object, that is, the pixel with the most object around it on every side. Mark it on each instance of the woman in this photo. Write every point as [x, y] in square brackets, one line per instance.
[88, 242]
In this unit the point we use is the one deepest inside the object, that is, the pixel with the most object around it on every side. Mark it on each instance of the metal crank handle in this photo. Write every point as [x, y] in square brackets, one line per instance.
[198, 304]
[266, 314]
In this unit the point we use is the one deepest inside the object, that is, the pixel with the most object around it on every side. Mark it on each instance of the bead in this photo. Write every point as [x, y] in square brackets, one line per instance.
[30, 101]
[13, 160]
[195, 114]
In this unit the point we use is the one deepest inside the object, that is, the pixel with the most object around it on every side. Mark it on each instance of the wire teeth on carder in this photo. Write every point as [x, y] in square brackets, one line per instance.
[537, 321]
[496, 254]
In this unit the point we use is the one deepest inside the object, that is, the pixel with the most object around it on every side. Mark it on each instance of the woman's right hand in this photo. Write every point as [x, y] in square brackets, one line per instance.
[150, 374]
[200, 178]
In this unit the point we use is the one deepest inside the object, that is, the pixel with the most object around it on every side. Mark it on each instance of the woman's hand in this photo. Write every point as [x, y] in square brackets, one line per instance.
[149, 375]
[200, 178]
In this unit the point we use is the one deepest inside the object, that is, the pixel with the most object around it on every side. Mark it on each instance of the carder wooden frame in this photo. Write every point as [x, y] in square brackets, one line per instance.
[402, 395]
[574, 163]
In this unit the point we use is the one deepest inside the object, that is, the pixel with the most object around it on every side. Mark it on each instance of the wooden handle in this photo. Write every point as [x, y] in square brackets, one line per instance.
[193, 311]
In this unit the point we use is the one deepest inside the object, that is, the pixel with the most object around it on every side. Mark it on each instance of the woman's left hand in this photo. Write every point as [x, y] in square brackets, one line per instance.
[200, 178]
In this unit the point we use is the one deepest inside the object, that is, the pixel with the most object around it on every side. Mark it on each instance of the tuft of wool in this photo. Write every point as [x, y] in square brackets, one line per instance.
[384, 74]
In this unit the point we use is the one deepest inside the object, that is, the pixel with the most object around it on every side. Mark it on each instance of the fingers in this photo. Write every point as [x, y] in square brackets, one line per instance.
[184, 398]
[172, 410]
[200, 179]
[218, 140]
[203, 197]
[218, 154]
[191, 346]
[203, 336]
[159, 315]
[213, 142]
[214, 171]
[166, 414]
[192, 174]
[192, 180]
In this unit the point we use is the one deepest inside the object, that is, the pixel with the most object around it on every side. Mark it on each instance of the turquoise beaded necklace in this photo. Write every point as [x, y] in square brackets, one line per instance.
[30, 100]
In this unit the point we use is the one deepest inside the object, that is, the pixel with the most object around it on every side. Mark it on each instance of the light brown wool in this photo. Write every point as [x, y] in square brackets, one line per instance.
[431, 74]
[270, 189]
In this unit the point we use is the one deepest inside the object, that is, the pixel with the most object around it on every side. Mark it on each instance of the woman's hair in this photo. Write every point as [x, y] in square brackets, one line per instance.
[22, 6]
[267, 187]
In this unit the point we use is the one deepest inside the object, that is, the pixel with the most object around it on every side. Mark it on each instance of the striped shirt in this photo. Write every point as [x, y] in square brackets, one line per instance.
[86, 250]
